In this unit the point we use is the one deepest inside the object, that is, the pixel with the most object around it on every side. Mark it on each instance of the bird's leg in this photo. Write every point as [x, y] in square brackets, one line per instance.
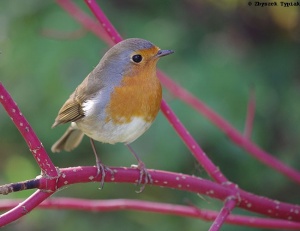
[101, 168]
[144, 174]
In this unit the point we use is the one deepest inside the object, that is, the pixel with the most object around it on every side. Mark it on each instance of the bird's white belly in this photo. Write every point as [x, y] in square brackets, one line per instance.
[110, 132]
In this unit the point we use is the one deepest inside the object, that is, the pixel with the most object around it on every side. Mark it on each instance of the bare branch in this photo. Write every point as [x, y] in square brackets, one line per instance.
[33, 142]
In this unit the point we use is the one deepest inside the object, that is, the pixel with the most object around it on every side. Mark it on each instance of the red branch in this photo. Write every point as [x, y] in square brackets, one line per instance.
[105, 23]
[196, 150]
[163, 208]
[85, 20]
[24, 207]
[229, 130]
[248, 201]
[229, 205]
[33, 142]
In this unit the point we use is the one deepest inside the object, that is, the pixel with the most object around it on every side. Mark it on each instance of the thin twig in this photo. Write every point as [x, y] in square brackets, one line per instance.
[19, 186]
[84, 19]
[250, 115]
[24, 207]
[156, 207]
[229, 205]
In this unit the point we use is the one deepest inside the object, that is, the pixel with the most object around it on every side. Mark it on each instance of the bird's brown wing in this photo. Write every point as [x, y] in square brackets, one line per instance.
[70, 111]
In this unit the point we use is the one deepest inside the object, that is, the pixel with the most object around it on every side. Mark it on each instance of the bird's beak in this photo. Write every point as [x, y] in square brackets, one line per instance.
[162, 53]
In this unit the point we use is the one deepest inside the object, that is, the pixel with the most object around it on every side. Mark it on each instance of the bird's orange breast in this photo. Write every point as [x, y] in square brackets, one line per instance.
[139, 95]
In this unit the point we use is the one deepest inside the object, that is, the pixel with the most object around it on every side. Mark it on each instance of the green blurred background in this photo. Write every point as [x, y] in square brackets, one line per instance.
[223, 49]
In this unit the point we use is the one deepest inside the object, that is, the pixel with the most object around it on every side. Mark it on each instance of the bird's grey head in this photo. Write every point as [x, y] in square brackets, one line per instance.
[130, 55]
[123, 52]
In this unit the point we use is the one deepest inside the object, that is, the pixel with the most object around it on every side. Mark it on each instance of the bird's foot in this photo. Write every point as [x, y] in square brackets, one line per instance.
[145, 177]
[102, 169]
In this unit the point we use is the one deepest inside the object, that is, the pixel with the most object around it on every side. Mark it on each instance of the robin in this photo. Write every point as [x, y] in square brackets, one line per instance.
[117, 102]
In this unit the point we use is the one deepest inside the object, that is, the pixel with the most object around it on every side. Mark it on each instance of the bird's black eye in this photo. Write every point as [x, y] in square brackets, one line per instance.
[137, 58]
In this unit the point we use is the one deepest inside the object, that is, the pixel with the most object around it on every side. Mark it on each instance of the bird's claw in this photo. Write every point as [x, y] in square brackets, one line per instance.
[145, 177]
[102, 169]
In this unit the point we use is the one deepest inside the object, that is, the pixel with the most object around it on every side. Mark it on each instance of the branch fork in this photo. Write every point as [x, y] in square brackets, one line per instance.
[53, 178]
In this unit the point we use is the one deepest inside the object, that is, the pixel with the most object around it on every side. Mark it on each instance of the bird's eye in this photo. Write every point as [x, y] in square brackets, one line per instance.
[137, 58]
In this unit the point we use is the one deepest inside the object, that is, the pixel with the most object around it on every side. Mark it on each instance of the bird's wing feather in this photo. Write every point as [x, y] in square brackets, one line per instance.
[72, 110]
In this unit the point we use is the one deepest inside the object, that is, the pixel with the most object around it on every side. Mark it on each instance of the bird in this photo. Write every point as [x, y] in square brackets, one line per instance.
[116, 103]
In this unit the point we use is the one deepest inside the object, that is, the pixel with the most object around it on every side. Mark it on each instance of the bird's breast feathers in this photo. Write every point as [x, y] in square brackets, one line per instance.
[127, 113]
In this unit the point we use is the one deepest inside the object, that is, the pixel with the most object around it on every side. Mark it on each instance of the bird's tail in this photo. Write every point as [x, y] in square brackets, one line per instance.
[70, 140]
